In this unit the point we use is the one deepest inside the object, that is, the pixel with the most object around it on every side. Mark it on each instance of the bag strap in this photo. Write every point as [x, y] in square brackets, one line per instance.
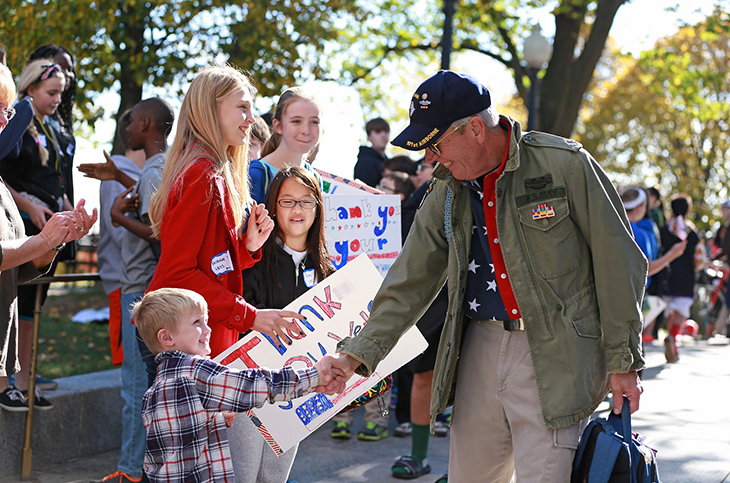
[604, 458]
[624, 429]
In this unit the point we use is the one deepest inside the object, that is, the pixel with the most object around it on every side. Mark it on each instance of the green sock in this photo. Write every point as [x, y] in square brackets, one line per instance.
[419, 441]
[419, 445]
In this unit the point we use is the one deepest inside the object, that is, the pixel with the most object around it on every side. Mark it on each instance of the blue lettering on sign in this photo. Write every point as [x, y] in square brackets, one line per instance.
[342, 213]
[313, 407]
[342, 248]
[287, 405]
[381, 243]
[383, 212]
[280, 345]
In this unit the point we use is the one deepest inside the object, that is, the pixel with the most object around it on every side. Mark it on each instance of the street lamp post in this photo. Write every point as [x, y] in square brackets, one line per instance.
[537, 52]
[447, 39]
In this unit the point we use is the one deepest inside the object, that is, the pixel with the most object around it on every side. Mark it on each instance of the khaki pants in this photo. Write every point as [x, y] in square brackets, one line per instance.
[497, 427]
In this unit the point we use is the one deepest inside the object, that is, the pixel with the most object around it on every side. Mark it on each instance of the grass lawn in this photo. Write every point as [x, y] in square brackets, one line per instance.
[68, 348]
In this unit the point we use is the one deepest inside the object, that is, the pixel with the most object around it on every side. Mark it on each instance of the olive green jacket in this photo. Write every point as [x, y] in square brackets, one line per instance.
[578, 276]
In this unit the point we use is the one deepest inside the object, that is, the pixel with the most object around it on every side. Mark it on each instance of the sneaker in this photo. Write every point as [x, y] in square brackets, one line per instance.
[41, 403]
[45, 384]
[372, 432]
[403, 430]
[119, 477]
[440, 429]
[13, 400]
[341, 430]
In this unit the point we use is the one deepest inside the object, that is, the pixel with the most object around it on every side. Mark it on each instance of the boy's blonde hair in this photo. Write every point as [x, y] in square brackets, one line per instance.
[162, 309]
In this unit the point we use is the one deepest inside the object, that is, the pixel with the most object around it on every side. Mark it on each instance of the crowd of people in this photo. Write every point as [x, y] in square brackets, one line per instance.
[508, 267]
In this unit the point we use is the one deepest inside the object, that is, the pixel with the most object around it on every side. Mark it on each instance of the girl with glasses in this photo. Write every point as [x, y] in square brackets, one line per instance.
[294, 259]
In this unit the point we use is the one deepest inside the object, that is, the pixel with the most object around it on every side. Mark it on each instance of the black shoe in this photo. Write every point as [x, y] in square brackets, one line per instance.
[13, 400]
[41, 403]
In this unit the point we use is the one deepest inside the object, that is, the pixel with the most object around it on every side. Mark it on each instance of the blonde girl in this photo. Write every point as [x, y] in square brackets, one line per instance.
[201, 208]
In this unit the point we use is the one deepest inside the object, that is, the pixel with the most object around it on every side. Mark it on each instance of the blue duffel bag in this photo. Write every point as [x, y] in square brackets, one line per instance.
[609, 453]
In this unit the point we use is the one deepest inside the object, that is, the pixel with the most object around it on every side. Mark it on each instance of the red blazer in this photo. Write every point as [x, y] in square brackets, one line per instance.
[198, 226]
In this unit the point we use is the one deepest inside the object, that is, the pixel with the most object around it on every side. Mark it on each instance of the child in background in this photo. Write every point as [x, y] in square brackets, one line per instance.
[260, 133]
[294, 259]
[296, 133]
[150, 122]
[128, 167]
[182, 411]
[369, 166]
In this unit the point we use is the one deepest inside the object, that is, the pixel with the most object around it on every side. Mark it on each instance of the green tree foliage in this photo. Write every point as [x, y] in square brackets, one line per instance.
[664, 117]
[496, 29]
[126, 45]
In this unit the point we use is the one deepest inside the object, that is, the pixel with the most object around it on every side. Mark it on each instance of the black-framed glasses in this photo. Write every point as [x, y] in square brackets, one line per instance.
[306, 204]
[434, 147]
[8, 112]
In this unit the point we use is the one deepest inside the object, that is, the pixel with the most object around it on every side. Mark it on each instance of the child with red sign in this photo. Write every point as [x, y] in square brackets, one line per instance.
[294, 259]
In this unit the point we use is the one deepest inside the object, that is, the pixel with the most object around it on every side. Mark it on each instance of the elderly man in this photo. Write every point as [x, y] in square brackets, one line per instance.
[544, 282]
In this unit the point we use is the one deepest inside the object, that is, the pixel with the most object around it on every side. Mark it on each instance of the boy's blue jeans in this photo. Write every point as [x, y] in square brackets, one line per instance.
[134, 385]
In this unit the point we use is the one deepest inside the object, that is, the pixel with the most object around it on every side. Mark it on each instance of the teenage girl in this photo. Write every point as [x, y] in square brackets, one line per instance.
[294, 259]
[34, 179]
[203, 203]
[296, 126]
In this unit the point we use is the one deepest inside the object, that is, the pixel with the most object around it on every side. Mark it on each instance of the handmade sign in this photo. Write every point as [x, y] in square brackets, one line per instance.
[365, 223]
[336, 308]
[331, 184]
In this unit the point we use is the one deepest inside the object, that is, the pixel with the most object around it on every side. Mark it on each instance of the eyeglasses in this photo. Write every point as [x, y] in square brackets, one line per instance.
[8, 112]
[306, 204]
[434, 147]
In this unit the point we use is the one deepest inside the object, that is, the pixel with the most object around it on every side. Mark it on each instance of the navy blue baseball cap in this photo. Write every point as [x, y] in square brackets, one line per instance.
[440, 100]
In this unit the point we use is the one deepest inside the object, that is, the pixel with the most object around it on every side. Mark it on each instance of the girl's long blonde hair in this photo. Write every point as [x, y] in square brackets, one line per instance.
[31, 75]
[198, 135]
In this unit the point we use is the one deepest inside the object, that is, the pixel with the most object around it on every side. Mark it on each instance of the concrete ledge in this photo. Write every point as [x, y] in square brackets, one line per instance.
[85, 420]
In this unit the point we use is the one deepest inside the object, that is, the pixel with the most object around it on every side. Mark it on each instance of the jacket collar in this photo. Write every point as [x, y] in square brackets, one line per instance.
[513, 158]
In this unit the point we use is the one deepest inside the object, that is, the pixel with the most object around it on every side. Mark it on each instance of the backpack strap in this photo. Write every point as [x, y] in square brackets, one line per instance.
[604, 458]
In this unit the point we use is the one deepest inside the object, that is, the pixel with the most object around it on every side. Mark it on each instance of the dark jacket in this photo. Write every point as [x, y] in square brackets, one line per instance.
[682, 269]
[261, 291]
[369, 166]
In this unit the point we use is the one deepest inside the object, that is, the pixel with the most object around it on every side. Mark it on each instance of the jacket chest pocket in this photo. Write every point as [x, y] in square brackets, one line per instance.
[550, 237]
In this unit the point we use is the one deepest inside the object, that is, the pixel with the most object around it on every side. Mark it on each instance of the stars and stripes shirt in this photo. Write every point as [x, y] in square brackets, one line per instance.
[489, 295]
[186, 432]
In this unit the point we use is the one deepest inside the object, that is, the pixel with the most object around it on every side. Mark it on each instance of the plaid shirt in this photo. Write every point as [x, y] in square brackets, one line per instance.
[186, 433]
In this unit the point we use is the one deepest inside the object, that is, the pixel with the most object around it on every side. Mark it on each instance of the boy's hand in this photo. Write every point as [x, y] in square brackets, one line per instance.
[229, 416]
[123, 205]
[259, 225]
[102, 171]
[332, 378]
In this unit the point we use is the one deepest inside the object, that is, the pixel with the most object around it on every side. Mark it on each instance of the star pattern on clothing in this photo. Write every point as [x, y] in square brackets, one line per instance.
[473, 266]
[473, 305]
[491, 265]
[481, 195]
[485, 230]
[491, 285]
[473, 228]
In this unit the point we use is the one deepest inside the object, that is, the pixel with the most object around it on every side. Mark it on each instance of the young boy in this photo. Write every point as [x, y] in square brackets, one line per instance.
[150, 122]
[182, 411]
[369, 166]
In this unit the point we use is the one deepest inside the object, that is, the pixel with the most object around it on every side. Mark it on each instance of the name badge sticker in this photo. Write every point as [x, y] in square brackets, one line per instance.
[309, 278]
[221, 263]
[42, 140]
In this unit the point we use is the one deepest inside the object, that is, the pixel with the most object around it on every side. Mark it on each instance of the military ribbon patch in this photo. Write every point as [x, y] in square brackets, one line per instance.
[542, 211]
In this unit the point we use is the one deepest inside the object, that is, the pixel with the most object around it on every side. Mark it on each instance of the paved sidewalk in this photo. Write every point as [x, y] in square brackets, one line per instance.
[683, 414]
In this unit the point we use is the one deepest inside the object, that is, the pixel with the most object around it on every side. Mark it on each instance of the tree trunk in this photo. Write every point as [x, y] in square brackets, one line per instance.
[567, 78]
[129, 43]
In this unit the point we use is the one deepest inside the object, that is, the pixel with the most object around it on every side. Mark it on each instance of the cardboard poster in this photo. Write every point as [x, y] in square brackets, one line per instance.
[363, 223]
[332, 184]
[336, 308]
